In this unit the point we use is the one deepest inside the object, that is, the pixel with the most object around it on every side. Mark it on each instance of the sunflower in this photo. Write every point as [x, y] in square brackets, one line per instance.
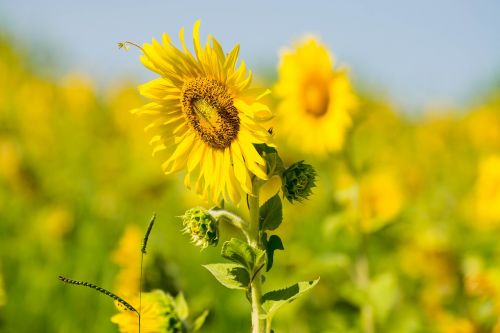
[158, 315]
[205, 117]
[316, 99]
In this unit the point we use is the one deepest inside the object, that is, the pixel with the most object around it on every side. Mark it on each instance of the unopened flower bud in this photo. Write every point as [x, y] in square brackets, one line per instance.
[202, 226]
[298, 180]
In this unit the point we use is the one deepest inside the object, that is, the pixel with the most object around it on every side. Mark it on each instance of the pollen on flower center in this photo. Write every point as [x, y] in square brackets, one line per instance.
[210, 111]
[316, 98]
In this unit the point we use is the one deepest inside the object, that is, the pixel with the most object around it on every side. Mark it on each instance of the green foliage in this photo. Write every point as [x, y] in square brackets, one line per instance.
[383, 293]
[177, 315]
[232, 276]
[271, 214]
[241, 253]
[199, 321]
[182, 311]
[181, 306]
[272, 301]
[274, 164]
[272, 244]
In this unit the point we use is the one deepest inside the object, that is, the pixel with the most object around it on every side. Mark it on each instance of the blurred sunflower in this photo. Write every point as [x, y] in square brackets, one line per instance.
[158, 315]
[205, 116]
[316, 100]
[487, 193]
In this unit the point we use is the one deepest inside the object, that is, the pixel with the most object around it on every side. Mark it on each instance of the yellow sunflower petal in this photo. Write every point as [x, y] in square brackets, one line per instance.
[205, 117]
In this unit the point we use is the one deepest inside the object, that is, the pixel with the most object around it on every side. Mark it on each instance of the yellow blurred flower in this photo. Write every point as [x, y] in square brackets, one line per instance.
[316, 99]
[77, 92]
[450, 324]
[481, 281]
[380, 199]
[427, 254]
[205, 116]
[373, 200]
[483, 126]
[55, 222]
[10, 161]
[487, 193]
[479, 285]
[158, 315]
[128, 257]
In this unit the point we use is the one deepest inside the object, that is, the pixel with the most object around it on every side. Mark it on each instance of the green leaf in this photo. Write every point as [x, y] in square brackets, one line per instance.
[232, 276]
[181, 306]
[274, 243]
[271, 214]
[275, 299]
[383, 293]
[199, 321]
[241, 253]
[274, 164]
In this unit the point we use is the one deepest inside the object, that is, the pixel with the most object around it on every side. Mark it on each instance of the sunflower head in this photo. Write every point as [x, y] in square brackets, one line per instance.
[159, 314]
[202, 226]
[205, 117]
[316, 99]
[298, 181]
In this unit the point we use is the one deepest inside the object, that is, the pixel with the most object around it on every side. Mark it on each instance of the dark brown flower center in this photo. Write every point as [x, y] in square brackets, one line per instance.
[210, 111]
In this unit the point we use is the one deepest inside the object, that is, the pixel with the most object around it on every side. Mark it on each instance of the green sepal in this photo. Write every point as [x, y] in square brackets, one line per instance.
[243, 254]
[199, 321]
[232, 276]
[271, 214]
[273, 300]
[274, 164]
[272, 244]
[181, 306]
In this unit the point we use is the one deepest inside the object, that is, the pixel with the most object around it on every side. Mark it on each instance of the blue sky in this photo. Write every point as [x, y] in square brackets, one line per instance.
[417, 51]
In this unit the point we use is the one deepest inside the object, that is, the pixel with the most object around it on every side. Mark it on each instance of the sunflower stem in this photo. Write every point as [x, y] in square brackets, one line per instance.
[363, 280]
[254, 241]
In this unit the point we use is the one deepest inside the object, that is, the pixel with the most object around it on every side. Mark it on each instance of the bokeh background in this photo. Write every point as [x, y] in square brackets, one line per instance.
[78, 184]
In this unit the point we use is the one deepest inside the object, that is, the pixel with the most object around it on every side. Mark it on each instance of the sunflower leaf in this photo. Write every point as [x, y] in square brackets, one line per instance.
[241, 253]
[232, 276]
[181, 306]
[274, 164]
[271, 214]
[272, 244]
[273, 300]
[199, 321]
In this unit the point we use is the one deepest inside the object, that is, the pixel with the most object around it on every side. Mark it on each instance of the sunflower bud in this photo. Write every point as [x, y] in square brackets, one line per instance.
[202, 226]
[298, 180]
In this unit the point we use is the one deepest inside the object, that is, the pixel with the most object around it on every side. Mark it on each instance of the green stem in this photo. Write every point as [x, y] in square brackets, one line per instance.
[268, 324]
[233, 219]
[254, 240]
[362, 268]
[363, 280]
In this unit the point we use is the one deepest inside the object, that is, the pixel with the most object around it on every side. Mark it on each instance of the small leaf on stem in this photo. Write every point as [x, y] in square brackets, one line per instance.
[271, 214]
[232, 276]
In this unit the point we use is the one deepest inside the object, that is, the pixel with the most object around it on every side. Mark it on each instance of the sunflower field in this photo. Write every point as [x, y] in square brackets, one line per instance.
[391, 219]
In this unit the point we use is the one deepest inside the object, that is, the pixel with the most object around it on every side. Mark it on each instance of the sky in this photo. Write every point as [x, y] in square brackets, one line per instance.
[417, 52]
